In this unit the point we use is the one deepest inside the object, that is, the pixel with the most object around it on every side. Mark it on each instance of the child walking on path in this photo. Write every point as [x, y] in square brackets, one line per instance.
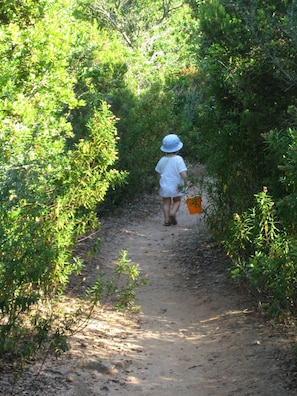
[172, 177]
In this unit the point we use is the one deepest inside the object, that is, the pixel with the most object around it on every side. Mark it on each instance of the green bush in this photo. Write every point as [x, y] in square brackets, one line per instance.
[57, 157]
[119, 288]
[282, 152]
[141, 131]
[45, 208]
[264, 255]
[245, 54]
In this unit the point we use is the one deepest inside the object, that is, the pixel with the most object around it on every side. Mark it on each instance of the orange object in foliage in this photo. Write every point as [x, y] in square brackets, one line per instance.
[194, 204]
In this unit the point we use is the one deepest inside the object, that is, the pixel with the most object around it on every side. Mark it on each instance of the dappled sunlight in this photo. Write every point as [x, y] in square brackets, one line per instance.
[188, 336]
[173, 343]
[187, 339]
[225, 315]
[191, 337]
[163, 347]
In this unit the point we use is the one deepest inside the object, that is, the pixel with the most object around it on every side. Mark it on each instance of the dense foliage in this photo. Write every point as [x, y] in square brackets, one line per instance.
[155, 37]
[51, 181]
[247, 133]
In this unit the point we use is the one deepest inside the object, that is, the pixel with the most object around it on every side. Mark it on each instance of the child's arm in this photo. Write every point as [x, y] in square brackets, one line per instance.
[158, 178]
[185, 176]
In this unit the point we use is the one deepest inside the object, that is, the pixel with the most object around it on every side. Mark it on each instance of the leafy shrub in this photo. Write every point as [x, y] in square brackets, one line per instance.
[45, 207]
[120, 288]
[264, 255]
[46, 326]
[141, 131]
[57, 158]
[282, 152]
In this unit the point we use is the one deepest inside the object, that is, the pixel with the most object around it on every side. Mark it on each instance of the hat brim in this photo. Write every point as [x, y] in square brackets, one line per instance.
[173, 149]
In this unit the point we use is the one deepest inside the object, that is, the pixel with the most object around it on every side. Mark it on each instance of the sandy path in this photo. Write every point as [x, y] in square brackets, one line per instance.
[197, 334]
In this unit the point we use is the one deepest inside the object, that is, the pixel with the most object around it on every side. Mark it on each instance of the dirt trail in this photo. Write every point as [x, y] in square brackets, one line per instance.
[196, 334]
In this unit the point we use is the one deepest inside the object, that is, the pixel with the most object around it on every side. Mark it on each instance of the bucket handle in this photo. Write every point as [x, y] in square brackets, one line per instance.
[194, 192]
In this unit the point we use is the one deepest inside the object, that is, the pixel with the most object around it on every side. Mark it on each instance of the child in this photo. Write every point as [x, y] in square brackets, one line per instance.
[172, 177]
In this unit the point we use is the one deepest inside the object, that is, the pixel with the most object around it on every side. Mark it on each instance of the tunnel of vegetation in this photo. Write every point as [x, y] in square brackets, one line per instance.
[88, 90]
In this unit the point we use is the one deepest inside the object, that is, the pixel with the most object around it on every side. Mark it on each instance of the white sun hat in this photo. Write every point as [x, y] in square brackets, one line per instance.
[171, 144]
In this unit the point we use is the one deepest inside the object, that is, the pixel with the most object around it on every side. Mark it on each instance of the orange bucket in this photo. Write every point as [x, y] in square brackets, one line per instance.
[194, 204]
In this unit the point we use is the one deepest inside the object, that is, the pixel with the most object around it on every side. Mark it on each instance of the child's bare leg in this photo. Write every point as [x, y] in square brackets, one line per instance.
[166, 209]
[176, 205]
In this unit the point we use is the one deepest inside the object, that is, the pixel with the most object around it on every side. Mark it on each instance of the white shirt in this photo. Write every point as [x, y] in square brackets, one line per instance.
[170, 168]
